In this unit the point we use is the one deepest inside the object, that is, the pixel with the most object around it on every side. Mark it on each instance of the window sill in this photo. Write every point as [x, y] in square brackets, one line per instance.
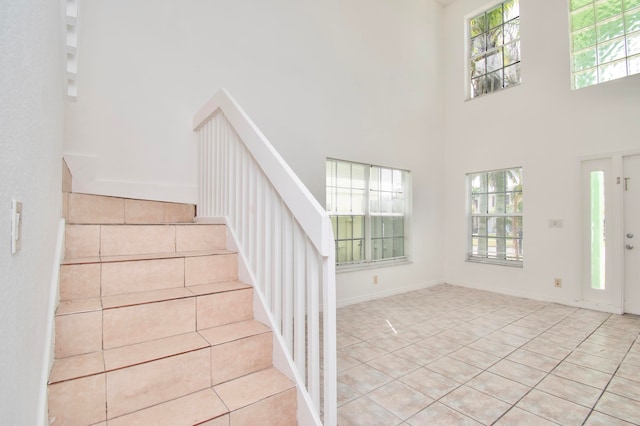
[372, 265]
[510, 263]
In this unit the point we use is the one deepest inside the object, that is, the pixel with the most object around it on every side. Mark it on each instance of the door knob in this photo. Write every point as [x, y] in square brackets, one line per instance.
[629, 246]
[629, 235]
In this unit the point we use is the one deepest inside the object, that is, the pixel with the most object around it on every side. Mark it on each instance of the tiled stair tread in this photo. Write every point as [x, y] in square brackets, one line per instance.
[192, 409]
[149, 351]
[231, 332]
[148, 256]
[253, 387]
[74, 367]
[202, 289]
[79, 305]
[76, 306]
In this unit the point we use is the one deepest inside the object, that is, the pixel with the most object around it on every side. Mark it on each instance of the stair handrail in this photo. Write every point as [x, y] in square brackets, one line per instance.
[230, 140]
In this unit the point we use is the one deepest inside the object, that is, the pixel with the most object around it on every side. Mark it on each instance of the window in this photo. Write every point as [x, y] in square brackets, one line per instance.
[494, 48]
[368, 207]
[495, 199]
[605, 40]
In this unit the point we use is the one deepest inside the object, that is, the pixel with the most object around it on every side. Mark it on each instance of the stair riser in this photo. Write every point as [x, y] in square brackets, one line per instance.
[88, 209]
[141, 386]
[78, 402]
[78, 334]
[276, 410]
[224, 308]
[108, 279]
[122, 240]
[241, 357]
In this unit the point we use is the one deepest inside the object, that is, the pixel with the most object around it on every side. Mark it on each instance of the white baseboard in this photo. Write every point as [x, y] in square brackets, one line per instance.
[390, 292]
[541, 298]
[83, 171]
[54, 296]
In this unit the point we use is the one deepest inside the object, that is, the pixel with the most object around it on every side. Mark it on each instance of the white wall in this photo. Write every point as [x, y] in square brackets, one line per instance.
[31, 118]
[541, 125]
[356, 80]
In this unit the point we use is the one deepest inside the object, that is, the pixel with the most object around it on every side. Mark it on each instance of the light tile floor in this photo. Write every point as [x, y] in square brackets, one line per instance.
[449, 355]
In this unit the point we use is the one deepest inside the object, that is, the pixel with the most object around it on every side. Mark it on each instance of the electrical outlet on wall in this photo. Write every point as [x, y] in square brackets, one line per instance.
[557, 282]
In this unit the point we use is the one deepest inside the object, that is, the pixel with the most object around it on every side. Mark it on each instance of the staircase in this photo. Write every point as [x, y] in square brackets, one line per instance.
[153, 326]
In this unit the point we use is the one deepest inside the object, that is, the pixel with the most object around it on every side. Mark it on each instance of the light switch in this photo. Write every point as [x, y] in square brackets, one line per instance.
[16, 226]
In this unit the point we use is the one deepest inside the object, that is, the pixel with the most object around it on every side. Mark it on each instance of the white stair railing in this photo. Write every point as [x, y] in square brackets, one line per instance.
[284, 237]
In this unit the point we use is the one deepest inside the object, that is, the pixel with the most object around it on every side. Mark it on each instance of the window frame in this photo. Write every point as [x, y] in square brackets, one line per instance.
[598, 46]
[469, 93]
[368, 215]
[477, 258]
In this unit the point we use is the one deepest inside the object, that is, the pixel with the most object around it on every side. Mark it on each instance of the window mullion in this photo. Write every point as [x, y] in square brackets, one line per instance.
[367, 214]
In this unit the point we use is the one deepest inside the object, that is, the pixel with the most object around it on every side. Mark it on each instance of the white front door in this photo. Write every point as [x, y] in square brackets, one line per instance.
[631, 197]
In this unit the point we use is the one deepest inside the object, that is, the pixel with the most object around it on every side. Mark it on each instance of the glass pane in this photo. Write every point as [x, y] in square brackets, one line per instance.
[477, 86]
[357, 201]
[374, 178]
[582, 18]
[478, 44]
[478, 183]
[398, 247]
[344, 175]
[613, 70]
[358, 250]
[585, 59]
[493, 81]
[376, 226]
[610, 29]
[357, 176]
[585, 78]
[343, 200]
[358, 227]
[607, 8]
[478, 67]
[398, 227]
[386, 202]
[632, 21]
[479, 226]
[633, 65]
[344, 251]
[376, 249]
[513, 227]
[397, 203]
[583, 39]
[512, 31]
[331, 172]
[511, 10]
[494, 61]
[633, 44]
[514, 180]
[492, 245]
[492, 227]
[334, 225]
[577, 4]
[598, 248]
[345, 227]
[512, 53]
[611, 51]
[630, 4]
[387, 226]
[497, 181]
[478, 25]
[495, 38]
[494, 16]
[512, 75]
[386, 183]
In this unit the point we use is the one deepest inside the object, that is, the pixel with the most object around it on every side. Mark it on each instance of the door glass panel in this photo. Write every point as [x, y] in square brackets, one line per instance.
[598, 246]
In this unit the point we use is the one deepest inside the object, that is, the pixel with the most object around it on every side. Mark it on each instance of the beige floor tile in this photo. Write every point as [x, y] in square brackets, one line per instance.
[475, 404]
[240, 357]
[389, 343]
[553, 408]
[116, 240]
[84, 208]
[78, 334]
[516, 416]
[363, 378]
[624, 387]
[507, 338]
[440, 345]
[346, 394]
[601, 419]
[418, 354]
[475, 357]
[454, 369]
[393, 365]
[76, 366]
[620, 407]
[344, 339]
[544, 348]
[254, 387]
[517, 330]
[81, 241]
[364, 351]
[570, 390]
[210, 269]
[364, 411]
[584, 375]
[429, 383]
[504, 389]
[597, 363]
[602, 351]
[79, 281]
[517, 372]
[629, 371]
[345, 362]
[399, 399]
[440, 414]
[533, 360]
[143, 275]
[492, 347]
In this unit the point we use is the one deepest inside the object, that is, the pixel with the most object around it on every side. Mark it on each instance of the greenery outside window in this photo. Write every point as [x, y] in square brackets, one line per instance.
[605, 40]
[495, 207]
[368, 207]
[494, 48]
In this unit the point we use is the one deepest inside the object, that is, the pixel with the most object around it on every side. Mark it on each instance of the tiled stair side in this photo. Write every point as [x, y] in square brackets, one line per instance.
[118, 372]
